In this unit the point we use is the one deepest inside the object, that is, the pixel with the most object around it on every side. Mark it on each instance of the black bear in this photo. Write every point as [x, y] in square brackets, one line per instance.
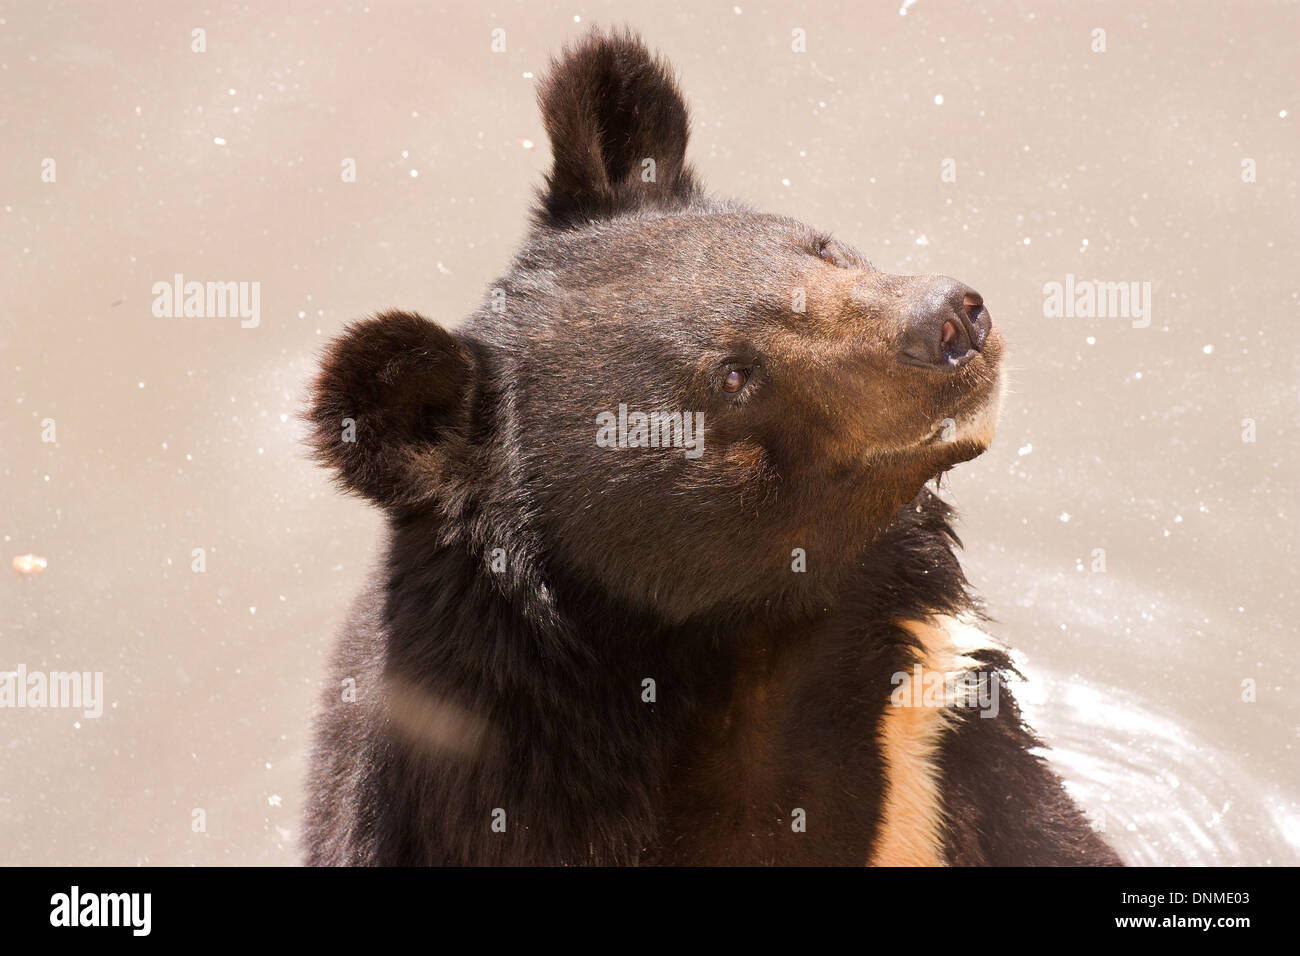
[663, 583]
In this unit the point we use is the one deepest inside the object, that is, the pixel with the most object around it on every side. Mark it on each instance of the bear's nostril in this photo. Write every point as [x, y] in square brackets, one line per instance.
[948, 335]
[944, 323]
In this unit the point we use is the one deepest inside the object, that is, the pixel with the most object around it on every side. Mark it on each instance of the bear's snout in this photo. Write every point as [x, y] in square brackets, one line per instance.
[945, 324]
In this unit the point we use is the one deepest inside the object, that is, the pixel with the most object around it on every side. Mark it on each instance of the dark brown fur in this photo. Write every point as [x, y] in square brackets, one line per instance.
[485, 688]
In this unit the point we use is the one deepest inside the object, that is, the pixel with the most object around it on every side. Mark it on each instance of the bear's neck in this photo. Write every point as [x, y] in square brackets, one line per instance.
[580, 708]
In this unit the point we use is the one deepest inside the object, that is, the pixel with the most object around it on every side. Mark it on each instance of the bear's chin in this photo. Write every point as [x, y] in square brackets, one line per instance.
[970, 432]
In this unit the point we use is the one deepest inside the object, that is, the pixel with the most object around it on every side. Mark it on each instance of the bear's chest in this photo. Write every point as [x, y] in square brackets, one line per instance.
[783, 762]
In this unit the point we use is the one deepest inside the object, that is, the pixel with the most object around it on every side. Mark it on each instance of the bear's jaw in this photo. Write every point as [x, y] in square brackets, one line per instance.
[974, 426]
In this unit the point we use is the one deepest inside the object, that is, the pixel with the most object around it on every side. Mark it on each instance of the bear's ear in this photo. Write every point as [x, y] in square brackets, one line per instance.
[618, 129]
[391, 406]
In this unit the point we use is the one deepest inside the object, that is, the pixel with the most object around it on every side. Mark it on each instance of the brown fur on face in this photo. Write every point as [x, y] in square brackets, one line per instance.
[643, 294]
[830, 434]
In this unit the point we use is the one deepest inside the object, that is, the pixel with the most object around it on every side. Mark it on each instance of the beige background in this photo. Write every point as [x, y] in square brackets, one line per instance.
[175, 434]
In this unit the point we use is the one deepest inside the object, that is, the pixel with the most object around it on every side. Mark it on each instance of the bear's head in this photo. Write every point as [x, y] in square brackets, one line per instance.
[674, 401]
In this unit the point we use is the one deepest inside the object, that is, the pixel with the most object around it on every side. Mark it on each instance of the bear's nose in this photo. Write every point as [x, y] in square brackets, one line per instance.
[944, 325]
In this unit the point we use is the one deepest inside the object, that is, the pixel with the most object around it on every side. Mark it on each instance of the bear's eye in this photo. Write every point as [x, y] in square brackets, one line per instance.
[827, 253]
[735, 379]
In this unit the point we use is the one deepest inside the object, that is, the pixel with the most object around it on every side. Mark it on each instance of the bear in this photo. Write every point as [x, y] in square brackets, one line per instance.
[664, 581]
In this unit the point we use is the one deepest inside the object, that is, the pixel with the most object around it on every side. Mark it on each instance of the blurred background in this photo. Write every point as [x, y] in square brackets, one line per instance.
[1132, 528]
